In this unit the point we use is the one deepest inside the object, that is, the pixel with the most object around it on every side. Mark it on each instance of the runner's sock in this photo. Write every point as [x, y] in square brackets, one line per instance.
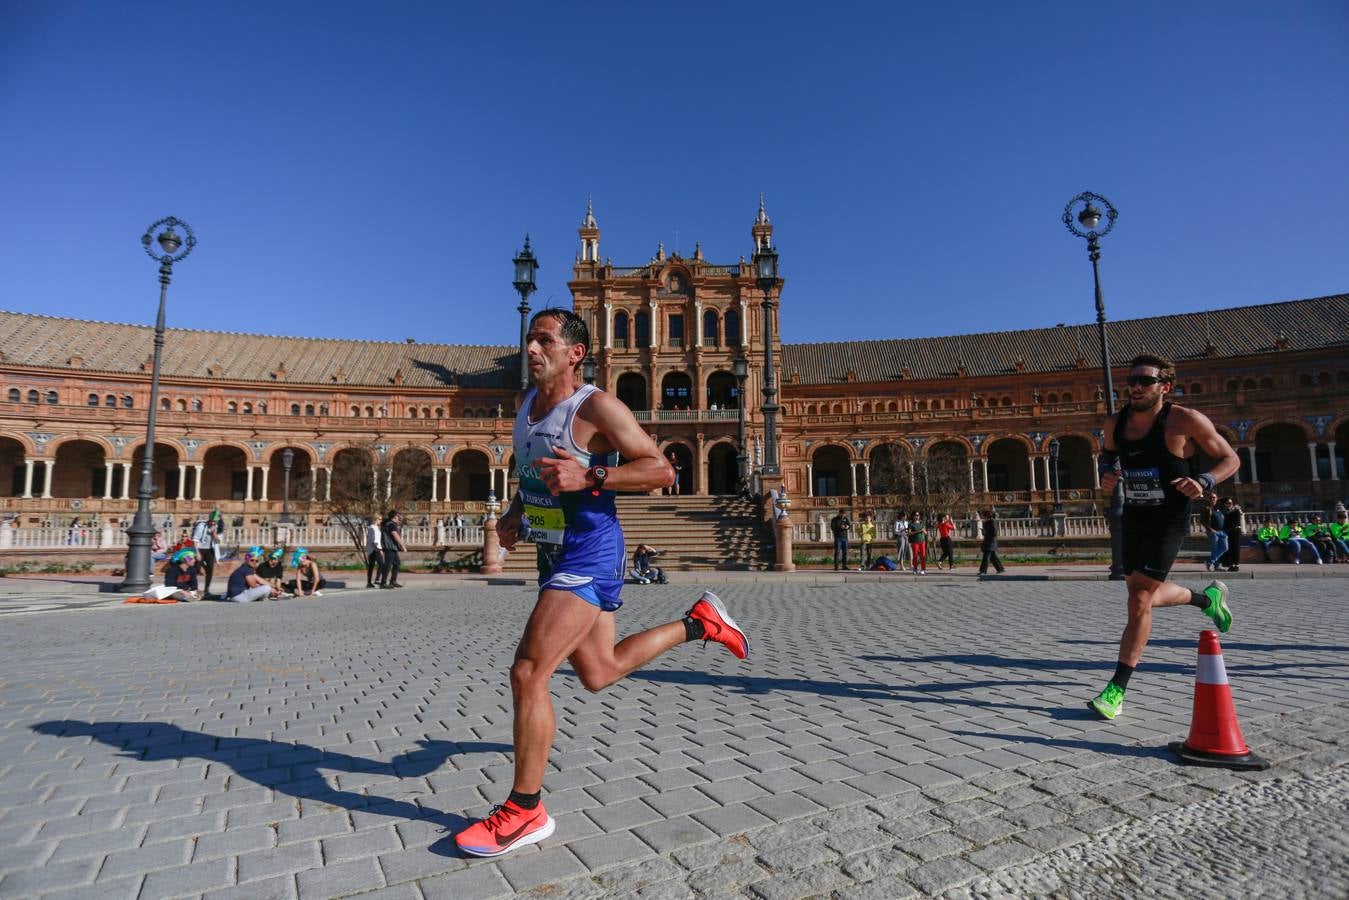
[1199, 599]
[693, 629]
[1121, 676]
[526, 801]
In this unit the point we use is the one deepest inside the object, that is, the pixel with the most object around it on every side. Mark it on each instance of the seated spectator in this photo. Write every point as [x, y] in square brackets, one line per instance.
[272, 568]
[245, 585]
[883, 564]
[308, 581]
[1291, 535]
[180, 579]
[159, 548]
[642, 570]
[1268, 536]
[1318, 533]
[1339, 534]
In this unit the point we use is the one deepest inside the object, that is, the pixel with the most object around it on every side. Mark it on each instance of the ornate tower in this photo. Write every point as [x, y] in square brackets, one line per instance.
[590, 235]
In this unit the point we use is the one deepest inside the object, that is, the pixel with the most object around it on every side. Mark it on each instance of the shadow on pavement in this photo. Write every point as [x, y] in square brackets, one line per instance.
[1227, 645]
[858, 690]
[291, 769]
[1072, 743]
[1265, 670]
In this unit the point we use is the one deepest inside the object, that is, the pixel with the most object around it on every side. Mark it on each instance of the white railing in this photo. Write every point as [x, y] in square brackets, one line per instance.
[106, 537]
[970, 529]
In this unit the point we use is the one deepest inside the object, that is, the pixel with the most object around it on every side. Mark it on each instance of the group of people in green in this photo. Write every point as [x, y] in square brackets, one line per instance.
[1324, 541]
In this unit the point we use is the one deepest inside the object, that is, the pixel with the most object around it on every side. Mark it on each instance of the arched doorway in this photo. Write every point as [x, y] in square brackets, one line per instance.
[947, 478]
[1281, 453]
[163, 473]
[631, 390]
[470, 476]
[721, 391]
[80, 470]
[1074, 464]
[682, 459]
[722, 474]
[411, 475]
[1008, 462]
[889, 471]
[11, 467]
[301, 476]
[831, 472]
[224, 474]
[676, 391]
[1341, 447]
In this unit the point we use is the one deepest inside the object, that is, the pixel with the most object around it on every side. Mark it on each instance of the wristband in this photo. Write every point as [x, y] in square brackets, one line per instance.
[1206, 481]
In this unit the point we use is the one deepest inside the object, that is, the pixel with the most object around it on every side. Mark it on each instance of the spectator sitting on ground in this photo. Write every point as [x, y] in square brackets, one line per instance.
[180, 578]
[308, 581]
[245, 586]
[272, 568]
[642, 570]
[883, 564]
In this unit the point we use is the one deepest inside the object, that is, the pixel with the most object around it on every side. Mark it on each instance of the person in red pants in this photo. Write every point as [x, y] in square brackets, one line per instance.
[918, 542]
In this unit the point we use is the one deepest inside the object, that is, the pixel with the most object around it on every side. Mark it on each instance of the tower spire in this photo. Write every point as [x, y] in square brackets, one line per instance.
[762, 232]
[590, 234]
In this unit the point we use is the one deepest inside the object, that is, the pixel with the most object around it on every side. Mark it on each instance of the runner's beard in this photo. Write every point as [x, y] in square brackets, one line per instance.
[1145, 403]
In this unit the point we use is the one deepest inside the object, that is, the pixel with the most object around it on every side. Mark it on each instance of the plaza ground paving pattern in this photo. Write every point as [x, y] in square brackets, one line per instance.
[911, 737]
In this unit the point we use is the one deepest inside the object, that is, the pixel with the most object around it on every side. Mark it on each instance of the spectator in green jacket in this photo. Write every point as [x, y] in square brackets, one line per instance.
[1319, 534]
[1291, 535]
[1339, 534]
[1266, 537]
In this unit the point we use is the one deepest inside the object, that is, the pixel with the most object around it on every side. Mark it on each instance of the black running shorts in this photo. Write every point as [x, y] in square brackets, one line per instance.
[1151, 550]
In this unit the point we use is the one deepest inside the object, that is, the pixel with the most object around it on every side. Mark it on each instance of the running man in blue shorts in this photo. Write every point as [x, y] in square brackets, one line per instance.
[568, 435]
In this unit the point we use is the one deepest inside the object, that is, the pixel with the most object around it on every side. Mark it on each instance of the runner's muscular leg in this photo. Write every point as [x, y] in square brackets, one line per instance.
[1144, 594]
[599, 662]
[560, 621]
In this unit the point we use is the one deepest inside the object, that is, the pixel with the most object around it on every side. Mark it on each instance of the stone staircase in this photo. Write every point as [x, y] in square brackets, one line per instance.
[692, 533]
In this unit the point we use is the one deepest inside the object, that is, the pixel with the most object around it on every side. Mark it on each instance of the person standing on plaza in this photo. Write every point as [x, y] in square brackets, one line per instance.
[946, 530]
[989, 548]
[918, 542]
[902, 549]
[567, 437]
[1150, 445]
[839, 526]
[374, 549]
[393, 548]
[867, 531]
[1234, 524]
[1217, 534]
[206, 538]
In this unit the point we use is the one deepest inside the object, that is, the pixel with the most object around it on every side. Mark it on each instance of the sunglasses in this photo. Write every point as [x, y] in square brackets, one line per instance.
[1143, 380]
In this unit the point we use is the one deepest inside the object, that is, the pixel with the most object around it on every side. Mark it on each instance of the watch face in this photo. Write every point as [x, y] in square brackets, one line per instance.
[601, 473]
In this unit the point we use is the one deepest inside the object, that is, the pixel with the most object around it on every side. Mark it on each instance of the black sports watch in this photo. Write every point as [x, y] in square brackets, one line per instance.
[599, 474]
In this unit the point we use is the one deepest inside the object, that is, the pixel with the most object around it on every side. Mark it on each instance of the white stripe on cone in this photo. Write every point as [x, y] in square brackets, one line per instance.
[1211, 669]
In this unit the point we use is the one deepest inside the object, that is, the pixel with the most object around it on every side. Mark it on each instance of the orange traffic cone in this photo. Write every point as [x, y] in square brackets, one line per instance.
[1215, 736]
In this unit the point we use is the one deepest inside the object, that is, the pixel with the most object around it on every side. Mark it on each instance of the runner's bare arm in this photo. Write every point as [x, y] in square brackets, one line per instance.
[605, 423]
[1199, 428]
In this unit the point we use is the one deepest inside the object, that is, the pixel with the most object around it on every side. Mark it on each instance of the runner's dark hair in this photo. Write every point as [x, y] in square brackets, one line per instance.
[573, 327]
[1166, 370]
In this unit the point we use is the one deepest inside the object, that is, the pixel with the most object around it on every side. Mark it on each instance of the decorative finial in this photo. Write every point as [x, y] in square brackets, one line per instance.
[589, 220]
[762, 218]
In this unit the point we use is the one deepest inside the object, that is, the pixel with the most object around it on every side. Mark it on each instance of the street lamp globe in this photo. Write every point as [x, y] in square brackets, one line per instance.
[1090, 216]
[168, 240]
[525, 267]
[741, 368]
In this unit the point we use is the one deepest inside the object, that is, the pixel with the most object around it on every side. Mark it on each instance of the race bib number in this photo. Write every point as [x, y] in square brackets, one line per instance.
[546, 524]
[1143, 487]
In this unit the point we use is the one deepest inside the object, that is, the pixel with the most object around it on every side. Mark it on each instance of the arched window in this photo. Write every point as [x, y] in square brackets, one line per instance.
[643, 330]
[621, 330]
[948, 404]
[1231, 384]
[295, 409]
[1067, 397]
[369, 412]
[248, 409]
[731, 327]
[356, 411]
[1053, 398]
[440, 412]
[262, 406]
[53, 399]
[231, 407]
[196, 404]
[181, 404]
[710, 328]
[93, 398]
[1323, 378]
[412, 413]
[165, 403]
[309, 409]
[1006, 401]
[323, 409]
[426, 412]
[921, 405]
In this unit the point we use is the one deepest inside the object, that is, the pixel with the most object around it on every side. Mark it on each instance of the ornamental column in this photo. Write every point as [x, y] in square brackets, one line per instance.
[698, 319]
[248, 486]
[435, 482]
[608, 332]
[983, 464]
[107, 481]
[264, 470]
[1030, 462]
[1049, 481]
[126, 481]
[182, 481]
[48, 467]
[1311, 451]
[1334, 471]
[28, 479]
[969, 465]
[866, 478]
[810, 480]
[197, 472]
[1255, 474]
[327, 483]
[1096, 471]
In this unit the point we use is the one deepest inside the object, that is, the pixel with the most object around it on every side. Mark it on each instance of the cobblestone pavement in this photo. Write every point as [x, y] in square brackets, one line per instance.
[884, 740]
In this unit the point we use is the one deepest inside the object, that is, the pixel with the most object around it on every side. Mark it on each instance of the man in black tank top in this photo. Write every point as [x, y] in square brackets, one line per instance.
[1150, 446]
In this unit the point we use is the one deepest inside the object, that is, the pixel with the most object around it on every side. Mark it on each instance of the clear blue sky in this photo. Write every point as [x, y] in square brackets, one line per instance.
[369, 170]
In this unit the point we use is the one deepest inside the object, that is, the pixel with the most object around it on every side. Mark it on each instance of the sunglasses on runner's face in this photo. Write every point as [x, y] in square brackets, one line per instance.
[1143, 380]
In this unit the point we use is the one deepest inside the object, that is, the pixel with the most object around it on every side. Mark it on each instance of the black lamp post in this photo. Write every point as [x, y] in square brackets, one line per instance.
[742, 454]
[766, 271]
[1089, 218]
[525, 267]
[287, 460]
[141, 534]
[588, 370]
[1054, 473]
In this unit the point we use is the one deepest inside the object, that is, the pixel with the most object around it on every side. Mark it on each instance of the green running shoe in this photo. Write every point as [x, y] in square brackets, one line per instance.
[1109, 702]
[1217, 609]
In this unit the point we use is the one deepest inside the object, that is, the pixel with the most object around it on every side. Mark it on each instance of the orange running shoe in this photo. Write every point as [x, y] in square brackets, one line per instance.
[506, 827]
[719, 626]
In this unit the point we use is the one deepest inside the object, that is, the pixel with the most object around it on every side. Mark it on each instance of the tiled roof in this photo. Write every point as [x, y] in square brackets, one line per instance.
[50, 342]
[1313, 324]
